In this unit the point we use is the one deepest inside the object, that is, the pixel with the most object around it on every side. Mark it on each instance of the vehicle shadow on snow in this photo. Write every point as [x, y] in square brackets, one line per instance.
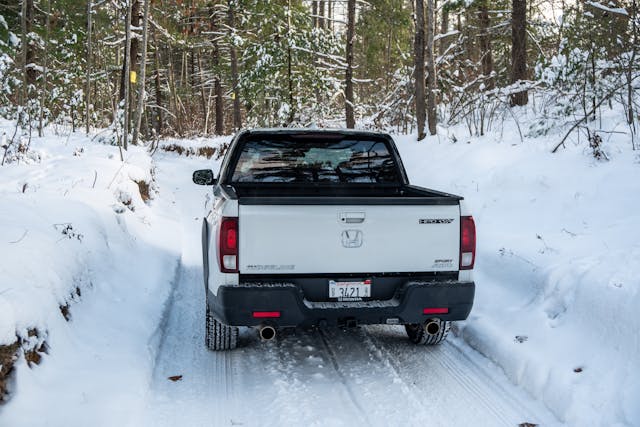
[337, 346]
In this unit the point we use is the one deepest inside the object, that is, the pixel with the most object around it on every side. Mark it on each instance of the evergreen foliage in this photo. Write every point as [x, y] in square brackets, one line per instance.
[275, 63]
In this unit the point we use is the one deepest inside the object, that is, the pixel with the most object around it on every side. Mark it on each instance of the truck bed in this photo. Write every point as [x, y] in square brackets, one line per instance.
[285, 194]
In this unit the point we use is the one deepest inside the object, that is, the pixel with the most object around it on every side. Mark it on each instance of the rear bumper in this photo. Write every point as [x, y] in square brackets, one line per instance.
[234, 305]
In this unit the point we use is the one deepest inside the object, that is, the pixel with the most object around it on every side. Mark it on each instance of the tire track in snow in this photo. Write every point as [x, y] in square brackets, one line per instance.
[372, 376]
[159, 336]
[343, 379]
[205, 395]
[458, 353]
[455, 371]
[373, 382]
[299, 383]
[385, 356]
[202, 395]
[452, 368]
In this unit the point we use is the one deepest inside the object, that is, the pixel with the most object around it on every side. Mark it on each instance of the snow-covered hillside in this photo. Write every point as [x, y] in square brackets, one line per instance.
[86, 267]
[554, 326]
[558, 270]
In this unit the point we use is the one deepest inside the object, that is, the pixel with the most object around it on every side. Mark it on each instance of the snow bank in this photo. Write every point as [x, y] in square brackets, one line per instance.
[557, 269]
[203, 147]
[74, 227]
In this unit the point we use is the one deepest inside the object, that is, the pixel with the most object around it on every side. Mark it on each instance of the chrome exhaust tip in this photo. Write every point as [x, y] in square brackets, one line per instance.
[267, 333]
[432, 326]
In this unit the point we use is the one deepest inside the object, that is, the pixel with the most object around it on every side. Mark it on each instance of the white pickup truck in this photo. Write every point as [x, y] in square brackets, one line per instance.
[319, 228]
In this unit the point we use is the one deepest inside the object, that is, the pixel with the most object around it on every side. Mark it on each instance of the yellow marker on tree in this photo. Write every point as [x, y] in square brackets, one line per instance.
[133, 77]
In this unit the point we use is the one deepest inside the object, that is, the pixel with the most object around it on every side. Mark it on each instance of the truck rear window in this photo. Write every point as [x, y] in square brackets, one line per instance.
[315, 161]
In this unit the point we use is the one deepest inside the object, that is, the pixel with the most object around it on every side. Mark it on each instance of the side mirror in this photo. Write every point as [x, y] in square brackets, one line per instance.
[204, 177]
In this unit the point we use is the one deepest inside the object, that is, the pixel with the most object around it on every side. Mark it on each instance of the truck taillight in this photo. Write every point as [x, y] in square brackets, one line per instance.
[228, 245]
[467, 242]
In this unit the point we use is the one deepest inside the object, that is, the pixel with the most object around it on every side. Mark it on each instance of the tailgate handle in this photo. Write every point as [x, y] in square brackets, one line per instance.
[352, 217]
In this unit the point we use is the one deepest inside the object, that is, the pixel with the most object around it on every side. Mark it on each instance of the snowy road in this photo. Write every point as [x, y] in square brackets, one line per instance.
[128, 272]
[365, 376]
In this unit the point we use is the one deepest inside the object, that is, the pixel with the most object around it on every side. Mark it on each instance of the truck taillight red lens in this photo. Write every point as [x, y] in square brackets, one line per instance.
[266, 314]
[467, 242]
[435, 310]
[228, 245]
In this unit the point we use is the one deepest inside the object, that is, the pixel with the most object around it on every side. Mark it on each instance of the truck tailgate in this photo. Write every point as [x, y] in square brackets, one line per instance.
[308, 239]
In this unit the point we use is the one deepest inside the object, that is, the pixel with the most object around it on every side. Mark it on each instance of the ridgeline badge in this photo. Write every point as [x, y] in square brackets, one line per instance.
[435, 221]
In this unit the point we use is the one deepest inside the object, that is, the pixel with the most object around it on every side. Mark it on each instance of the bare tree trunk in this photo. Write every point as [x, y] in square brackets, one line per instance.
[330, 15]
[143, 72]
[321, 19]
[237, 118]
[348, 91]
[419, 71]
[219, 107]
[24, 47]
[28, 52]
[562, 23]
[388, 63]
[193, 83]
[289, 75]
[126, 77]
[519, 49]
[32, 73]
[45, 70]
[159, 113]
[431, 68]
[203, 93]
[485, 44]
[173, 92]
[444, 29]
[132, 55]
[217, 85]
[629, 71]
[434, 13]
[87, 83]
[314, 13]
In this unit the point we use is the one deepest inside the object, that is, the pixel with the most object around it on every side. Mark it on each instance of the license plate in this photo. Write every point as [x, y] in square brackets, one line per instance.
[355, 290]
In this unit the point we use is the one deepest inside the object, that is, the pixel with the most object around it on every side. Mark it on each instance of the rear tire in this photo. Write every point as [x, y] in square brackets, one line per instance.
[419, 336]
[218, 336]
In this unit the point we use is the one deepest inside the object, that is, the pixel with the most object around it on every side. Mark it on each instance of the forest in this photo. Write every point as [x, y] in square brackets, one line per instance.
[149, 69]
[527, 110]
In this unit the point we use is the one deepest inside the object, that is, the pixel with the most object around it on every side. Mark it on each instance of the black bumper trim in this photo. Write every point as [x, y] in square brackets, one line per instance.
[234, 305]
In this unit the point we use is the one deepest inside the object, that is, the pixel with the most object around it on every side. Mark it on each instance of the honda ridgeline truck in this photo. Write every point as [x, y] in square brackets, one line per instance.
[319, 228]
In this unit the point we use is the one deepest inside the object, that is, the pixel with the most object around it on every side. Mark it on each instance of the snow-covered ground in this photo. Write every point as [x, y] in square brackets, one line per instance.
[75, 232]
[558, 270]
[371, 376]
[557, 292]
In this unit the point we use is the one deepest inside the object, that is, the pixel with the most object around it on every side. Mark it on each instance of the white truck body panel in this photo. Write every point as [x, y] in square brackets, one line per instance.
[299, 239]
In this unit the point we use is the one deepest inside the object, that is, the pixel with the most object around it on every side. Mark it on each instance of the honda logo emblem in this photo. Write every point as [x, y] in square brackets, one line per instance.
[352, 238]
